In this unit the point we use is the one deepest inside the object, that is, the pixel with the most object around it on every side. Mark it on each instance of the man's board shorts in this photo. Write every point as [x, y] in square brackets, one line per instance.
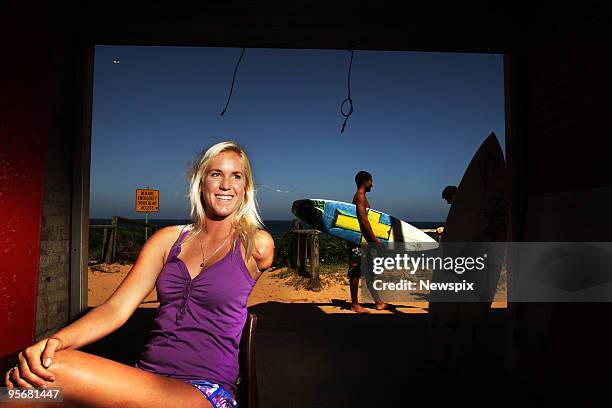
[354, 266]
[218, 396]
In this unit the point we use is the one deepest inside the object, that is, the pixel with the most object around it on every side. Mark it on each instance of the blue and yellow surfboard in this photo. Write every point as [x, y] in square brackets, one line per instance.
[339, 219]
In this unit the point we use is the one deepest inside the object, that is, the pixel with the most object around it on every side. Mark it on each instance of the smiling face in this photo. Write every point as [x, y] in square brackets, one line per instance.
[223, 185]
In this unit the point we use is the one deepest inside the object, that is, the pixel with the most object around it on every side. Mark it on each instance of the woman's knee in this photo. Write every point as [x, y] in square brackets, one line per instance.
[64, 358]
[67, 366]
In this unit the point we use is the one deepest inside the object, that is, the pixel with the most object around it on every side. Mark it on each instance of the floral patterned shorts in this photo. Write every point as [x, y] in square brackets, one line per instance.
[218, 396]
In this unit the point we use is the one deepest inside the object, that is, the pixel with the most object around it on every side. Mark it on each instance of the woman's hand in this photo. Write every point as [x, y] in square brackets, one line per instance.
[33, 363]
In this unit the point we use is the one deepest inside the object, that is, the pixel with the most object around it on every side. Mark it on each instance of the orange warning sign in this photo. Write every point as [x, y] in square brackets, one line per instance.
[147, 200]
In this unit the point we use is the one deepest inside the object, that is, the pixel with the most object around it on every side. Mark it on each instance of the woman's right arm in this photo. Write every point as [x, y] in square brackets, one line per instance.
[107, 317]
[139, 282]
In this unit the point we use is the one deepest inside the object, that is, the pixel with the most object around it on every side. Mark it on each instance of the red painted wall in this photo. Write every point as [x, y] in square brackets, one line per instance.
[24, 124]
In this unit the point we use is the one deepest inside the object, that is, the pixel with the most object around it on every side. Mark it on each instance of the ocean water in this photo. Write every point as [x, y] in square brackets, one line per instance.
[276, 227]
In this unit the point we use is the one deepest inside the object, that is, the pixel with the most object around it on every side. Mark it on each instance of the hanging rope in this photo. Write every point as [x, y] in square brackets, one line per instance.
[233, 80]
[348, 99]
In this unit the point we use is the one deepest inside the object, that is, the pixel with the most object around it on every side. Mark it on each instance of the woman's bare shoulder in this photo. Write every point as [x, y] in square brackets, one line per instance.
[263, 249]
[166, 236]
[263, 237]
[168, 232]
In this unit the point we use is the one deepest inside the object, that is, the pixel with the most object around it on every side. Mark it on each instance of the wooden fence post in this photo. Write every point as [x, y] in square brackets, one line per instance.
[105, 244]
[315, 283]
[293, 250]
[302, 253]
[115, 225]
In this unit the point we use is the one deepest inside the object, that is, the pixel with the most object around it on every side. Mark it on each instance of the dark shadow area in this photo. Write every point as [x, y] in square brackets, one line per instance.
[306, 358]
[127, 343]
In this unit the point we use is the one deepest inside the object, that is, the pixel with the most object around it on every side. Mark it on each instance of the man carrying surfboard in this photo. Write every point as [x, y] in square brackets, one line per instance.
[364, 182]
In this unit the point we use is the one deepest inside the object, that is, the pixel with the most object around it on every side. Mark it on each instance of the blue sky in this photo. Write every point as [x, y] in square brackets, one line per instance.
[418, 119]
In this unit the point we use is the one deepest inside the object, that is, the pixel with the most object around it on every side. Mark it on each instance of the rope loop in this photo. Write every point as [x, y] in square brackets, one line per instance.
[348, 98]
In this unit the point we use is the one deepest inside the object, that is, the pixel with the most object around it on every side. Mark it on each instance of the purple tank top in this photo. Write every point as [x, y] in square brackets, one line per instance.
[198, 328]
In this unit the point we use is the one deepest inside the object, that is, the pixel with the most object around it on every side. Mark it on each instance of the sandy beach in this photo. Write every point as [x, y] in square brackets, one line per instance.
[278, 286]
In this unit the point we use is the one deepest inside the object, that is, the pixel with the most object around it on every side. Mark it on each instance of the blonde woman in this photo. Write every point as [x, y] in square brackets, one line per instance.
[204, 273]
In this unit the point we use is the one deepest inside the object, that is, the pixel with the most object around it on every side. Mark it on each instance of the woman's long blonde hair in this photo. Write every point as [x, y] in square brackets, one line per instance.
[246, 219]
